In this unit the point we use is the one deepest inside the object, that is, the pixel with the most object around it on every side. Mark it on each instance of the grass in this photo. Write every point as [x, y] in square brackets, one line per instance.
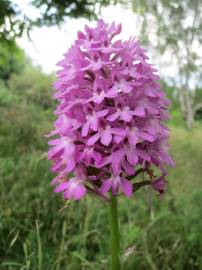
[34, 235]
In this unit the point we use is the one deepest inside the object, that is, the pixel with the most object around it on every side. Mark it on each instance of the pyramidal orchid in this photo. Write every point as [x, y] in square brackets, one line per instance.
[110, 116]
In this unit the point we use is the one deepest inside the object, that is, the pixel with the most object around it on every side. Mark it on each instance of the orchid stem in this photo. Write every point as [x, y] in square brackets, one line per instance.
[115, 247]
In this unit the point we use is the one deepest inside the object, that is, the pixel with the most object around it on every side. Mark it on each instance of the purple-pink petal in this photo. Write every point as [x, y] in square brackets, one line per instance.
[126, 187]
[106, 185]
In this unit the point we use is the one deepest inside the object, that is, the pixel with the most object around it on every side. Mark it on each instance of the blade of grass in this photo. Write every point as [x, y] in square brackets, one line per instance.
[39, 245]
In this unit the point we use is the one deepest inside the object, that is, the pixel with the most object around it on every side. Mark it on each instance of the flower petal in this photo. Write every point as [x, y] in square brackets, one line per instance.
[106, 137]
[61, 187]
[139, 111]
[79, 192]
[132, 157]
[126, 187]
[106, 185]
[113, 116]
[93, 139]
[85, 129]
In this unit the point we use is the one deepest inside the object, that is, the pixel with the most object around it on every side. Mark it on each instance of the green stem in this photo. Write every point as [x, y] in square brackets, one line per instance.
[115, 249]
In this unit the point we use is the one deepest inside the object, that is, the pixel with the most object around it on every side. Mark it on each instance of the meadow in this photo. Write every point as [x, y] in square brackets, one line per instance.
[39, 232]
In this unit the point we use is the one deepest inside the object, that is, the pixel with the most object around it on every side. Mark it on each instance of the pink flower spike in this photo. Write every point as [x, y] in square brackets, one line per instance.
[109, 118]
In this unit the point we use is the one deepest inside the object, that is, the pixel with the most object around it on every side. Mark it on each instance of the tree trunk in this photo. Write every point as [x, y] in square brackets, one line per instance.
[189, 115]
[186, 106]
[182, 102]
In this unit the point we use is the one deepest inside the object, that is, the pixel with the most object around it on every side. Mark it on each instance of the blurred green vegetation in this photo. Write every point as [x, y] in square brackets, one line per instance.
[12, 59]
[155, 233]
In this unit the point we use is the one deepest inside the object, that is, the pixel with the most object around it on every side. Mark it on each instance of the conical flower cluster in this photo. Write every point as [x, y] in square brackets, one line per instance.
[109, 117]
